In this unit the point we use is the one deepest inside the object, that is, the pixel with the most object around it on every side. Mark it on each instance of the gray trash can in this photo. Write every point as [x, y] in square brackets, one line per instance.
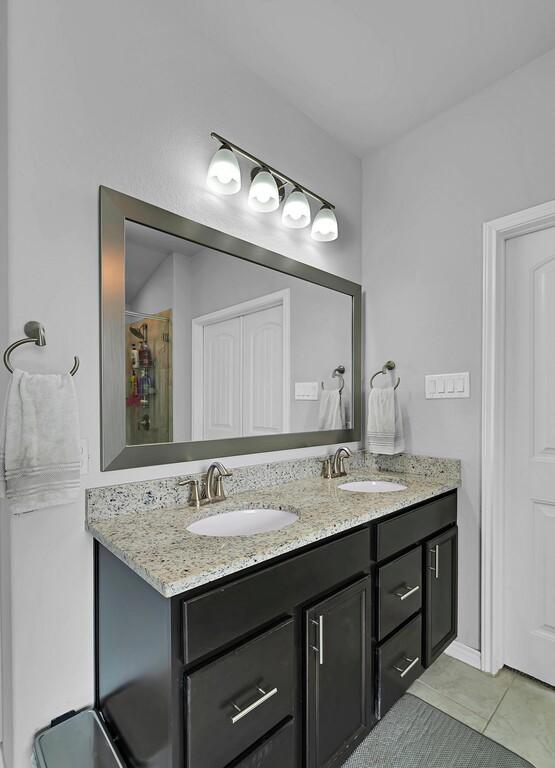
[80, 741]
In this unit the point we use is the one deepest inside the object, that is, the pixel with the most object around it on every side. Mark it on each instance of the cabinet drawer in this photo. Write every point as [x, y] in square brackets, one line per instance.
[228, 613]
[278, 751]
[399, 591]
[412, 527]
[234, 701]
[399, 664]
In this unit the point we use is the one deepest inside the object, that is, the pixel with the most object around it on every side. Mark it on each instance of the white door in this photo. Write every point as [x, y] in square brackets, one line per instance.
[530, 455]
[263, 372]
[222, 345]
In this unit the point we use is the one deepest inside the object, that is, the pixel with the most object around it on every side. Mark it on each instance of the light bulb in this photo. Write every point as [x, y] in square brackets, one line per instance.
[264, 193]
[296, 211]
[224, 174]
[324, 228]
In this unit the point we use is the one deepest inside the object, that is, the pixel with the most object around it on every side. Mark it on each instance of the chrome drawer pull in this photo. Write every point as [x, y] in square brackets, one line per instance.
[435, 566]
[320, 649]
[406, 670]
[242, 712]
[410, 591]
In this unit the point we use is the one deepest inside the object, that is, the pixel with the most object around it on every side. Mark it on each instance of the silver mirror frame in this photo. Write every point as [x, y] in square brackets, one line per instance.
[115, 209]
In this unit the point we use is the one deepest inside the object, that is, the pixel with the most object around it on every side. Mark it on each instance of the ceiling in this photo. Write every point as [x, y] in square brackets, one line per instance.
[368, 71]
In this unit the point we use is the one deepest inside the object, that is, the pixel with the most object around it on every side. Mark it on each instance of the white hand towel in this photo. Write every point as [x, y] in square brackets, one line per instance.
[330, 410]
[39, 442]
[385, 424]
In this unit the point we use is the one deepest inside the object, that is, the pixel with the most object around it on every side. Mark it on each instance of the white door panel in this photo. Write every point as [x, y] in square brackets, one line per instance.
[263, 386]
[530, 455]
[222, 379]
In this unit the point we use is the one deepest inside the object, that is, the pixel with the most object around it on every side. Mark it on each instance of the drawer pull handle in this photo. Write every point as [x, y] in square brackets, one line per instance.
[435, 566]
[320, 649]
[408, 592]
[411, 663]
[242, 712]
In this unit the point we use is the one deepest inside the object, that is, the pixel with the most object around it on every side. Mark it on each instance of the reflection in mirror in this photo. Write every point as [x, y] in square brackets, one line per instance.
[220, 347]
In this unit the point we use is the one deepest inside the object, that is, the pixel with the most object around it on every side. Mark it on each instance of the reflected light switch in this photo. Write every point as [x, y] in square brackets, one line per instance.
[306, 390]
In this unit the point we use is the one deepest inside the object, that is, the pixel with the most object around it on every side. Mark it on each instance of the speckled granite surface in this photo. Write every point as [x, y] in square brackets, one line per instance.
[130, 498]
[157, 545]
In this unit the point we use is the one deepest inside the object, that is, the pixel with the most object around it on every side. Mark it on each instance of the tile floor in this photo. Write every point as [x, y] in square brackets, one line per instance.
[509, 708]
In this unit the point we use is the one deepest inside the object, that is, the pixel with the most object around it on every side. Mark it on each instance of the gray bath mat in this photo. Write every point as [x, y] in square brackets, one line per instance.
[414, 734]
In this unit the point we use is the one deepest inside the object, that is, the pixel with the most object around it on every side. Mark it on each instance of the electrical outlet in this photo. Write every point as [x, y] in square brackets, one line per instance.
[84, 457]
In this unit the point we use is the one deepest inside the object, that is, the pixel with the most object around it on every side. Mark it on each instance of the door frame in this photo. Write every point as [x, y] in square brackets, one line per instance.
[495, 235]
[277, 298]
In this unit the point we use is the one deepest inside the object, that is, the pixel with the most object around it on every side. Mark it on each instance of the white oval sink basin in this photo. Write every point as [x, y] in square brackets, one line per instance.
[373, 486]
[243, 522]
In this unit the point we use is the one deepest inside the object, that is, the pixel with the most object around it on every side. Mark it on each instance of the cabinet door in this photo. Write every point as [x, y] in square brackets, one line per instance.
[441, 594]
[338, 674]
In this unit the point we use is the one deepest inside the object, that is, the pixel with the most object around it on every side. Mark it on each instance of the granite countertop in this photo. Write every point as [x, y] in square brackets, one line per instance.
[157, 546]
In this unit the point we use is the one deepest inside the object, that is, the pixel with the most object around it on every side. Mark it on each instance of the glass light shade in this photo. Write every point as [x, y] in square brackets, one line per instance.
[224, 174]
[264, 194]
[296, 211]
[324, 227]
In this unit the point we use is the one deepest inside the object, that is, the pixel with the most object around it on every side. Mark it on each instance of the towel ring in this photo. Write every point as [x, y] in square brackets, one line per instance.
[338, 374]
[36, 334]
[389, 366]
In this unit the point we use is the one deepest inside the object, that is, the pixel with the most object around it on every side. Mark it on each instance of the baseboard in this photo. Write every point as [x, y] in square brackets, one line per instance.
[465, 653]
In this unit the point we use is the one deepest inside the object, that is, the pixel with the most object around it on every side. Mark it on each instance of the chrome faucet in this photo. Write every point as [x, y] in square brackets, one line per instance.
[335, 466]
[213, 489]
[338, 465]
[214, 483]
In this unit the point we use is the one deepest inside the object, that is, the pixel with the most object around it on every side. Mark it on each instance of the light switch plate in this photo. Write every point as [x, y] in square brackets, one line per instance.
[447, 385]
[306, 390]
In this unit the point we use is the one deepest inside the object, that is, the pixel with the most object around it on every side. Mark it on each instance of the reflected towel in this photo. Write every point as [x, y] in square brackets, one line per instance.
[330, 410]
[39, 442]
[385, 424]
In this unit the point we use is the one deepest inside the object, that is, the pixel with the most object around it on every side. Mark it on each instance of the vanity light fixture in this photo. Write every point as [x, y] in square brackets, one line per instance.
[267, 190]
[264, 195]
[296, 211]
[324, 228]
[224, 174]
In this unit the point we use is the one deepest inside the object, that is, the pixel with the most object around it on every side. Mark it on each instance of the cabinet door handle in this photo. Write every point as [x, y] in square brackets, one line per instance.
[242, 712]
[407, 593]
[435, 566]
[405, 670]
[320, 649]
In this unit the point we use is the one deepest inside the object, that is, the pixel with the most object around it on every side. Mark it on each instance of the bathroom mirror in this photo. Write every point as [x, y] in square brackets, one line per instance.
[212, 346]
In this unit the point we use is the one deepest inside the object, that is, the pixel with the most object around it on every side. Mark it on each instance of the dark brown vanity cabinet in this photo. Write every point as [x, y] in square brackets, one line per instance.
[287, 664]
[338, 674]
[441, 594]
[416, 594]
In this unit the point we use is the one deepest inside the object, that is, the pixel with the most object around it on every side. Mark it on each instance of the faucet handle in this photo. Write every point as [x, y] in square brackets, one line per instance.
[326, 467]
[195, 497]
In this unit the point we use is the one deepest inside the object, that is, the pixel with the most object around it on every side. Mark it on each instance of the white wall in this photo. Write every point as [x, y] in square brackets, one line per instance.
[5, 647]
[425, 198]
[122, 94]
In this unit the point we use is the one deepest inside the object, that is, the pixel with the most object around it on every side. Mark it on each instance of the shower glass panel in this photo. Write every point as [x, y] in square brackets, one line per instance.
[148, 377]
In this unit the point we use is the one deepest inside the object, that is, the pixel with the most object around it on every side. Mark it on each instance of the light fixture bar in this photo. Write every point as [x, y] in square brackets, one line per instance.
[273, 171]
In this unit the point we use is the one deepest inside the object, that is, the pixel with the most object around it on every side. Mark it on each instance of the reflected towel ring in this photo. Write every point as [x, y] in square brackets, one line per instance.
[338, 374]
[36, 334]
[389, 366]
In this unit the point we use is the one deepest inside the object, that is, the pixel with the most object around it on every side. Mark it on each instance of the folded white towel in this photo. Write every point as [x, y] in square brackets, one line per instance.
[330, 416]
[385, 423]
[39, 442]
